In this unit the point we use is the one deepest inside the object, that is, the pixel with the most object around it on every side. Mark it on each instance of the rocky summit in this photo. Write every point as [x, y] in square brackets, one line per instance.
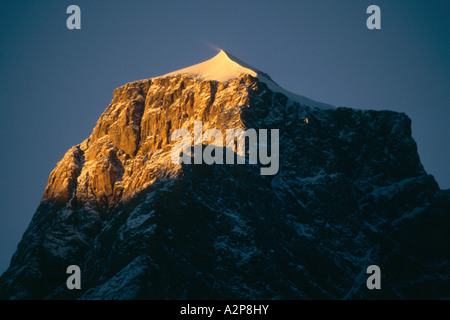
[350, 192]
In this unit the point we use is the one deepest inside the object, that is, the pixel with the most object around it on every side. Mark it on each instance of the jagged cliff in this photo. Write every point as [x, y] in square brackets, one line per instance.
[350, 192]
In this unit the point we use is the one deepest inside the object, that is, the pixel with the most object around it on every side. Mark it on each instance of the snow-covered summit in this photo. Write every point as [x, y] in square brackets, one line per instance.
[225, 67]
[221, 68]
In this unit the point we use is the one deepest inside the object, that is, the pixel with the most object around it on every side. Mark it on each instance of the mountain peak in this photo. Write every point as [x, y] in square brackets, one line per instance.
[222, 67]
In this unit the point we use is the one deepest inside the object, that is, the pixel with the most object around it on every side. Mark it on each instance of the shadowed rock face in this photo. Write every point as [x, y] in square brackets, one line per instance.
[350, 192]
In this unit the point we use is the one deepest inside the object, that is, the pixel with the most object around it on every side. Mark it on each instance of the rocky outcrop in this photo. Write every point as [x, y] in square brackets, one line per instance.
[129, 147]
[350, 192]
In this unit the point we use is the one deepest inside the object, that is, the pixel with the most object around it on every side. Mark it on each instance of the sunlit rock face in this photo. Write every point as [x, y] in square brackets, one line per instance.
[350, 192]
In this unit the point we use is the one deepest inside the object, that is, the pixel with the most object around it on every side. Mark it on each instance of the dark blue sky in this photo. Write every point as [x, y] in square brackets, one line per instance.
[55, 82]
